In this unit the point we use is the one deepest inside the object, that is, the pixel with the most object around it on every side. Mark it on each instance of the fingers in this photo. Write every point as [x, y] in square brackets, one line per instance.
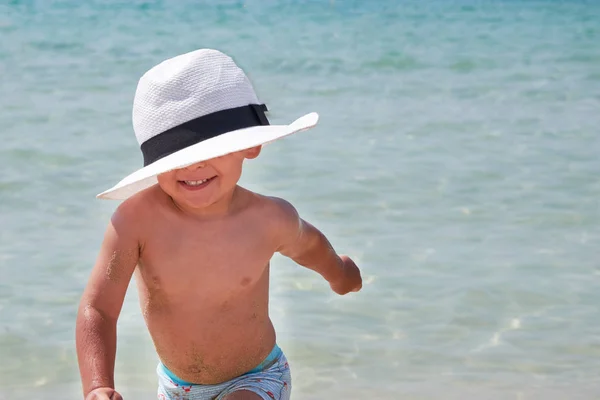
[116, 396]
[104, 393]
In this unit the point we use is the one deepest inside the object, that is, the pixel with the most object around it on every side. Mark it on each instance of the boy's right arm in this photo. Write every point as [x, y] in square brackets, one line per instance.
[100, 306]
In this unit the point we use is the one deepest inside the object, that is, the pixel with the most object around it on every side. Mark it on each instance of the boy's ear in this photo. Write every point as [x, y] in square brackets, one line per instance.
[252, 152]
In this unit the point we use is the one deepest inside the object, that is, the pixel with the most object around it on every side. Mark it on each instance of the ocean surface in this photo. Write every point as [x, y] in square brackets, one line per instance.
[457, 160]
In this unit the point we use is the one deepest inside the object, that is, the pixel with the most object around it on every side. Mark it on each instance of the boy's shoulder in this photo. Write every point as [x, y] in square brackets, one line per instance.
[278, 216]
[273, 207]
[139, 207]
[282, 208]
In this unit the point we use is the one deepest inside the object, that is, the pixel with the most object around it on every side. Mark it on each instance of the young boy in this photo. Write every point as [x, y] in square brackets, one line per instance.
[200, 245]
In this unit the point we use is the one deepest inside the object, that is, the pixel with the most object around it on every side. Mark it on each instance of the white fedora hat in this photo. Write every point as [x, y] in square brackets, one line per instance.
[194, 107]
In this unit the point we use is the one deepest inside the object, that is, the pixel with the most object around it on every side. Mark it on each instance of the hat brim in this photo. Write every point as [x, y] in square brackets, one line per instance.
[218, 146]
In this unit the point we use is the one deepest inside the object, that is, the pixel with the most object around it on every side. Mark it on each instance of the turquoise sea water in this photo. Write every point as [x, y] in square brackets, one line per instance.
[457, 159]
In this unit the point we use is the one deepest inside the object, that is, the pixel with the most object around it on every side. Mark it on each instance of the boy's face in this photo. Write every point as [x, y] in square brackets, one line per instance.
[205, 183]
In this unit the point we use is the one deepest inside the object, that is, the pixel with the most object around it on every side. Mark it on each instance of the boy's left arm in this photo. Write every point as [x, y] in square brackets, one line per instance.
[307, 246]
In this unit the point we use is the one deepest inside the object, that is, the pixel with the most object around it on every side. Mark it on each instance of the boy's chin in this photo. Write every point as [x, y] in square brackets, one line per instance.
[195, 201]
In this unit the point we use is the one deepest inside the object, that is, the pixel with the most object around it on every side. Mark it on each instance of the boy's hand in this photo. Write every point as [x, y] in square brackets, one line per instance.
[103, 393]
[350, 281]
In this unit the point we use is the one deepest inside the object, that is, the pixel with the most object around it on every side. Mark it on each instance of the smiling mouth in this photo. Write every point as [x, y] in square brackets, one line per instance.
[193, 185]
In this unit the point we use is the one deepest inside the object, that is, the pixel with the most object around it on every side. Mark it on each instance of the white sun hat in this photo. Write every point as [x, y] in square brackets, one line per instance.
[194, 107]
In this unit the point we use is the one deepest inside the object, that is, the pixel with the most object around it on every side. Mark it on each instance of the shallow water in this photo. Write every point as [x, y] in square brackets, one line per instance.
[456, 159]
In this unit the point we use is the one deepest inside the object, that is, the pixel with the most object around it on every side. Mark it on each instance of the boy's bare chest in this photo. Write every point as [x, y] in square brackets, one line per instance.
[216, 261]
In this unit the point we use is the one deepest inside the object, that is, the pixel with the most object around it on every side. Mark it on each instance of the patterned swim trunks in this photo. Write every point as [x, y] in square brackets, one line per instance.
[271, 380]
